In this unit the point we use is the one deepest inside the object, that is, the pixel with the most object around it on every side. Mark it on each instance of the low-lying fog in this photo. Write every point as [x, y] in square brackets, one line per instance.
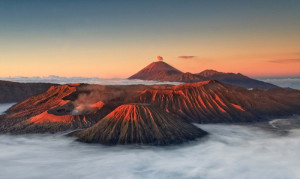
[285, 82]
[231, 151]
[89, 80]
[292, 82]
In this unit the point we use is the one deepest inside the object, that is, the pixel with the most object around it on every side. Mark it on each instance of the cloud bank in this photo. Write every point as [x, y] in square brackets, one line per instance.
[291, 82]
[4, 107]
[230, 151]
[89, 80]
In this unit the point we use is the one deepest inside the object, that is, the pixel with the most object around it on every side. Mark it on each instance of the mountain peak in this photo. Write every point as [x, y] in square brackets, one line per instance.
[209, 72]
[141, 124]
[160, 66]
[158, 70]
[161, 71]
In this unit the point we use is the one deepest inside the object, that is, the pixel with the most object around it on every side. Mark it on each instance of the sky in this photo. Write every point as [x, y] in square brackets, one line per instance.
[110, 39]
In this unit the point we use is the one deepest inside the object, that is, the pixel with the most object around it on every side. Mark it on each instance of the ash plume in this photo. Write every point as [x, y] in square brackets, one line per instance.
[160, 58]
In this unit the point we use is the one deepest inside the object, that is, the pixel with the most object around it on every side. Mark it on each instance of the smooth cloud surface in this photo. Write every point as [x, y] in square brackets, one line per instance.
[230, 151]
[89, 80]
[4, 107]
[292, 82]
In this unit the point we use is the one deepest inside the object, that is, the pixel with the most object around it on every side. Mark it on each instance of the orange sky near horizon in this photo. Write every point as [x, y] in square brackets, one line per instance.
[116, 39]
[123, 62]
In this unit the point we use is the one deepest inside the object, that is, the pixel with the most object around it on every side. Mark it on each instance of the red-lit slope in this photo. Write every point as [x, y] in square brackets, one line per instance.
[53, 97]
[97, 105]
[212, 101]
[141, 124]
[46, 117]
[79, 106]
[66, 107]
[49, 112]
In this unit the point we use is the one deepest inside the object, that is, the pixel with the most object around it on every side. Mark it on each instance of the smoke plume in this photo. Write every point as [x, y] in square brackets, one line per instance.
[160, 58]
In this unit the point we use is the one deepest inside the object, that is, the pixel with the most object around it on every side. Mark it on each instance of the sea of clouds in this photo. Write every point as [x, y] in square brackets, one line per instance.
[4, 107]
[292, 82]
[89, 80]
[230, 151]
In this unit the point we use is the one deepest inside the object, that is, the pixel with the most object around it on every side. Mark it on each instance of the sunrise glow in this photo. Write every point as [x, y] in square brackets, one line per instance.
[115, 39]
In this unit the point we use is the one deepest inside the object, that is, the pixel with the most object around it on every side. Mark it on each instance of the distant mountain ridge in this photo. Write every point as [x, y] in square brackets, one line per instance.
[16, 92]
[161, 71]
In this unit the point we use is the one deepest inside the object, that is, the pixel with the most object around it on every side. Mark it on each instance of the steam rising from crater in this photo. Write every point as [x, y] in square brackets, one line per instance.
[94, 99]
[85, 103]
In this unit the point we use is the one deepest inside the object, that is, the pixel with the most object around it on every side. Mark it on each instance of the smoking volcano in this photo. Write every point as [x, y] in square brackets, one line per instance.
[79, 106]
[161, 71]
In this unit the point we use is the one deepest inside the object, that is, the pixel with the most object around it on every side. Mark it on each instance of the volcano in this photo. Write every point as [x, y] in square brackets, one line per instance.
[161, 71]
[79, 106]
[48, 112]
[214, 102]
[140, 124]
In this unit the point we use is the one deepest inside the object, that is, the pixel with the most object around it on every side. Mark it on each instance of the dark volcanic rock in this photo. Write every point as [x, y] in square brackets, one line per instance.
[235, 79]
[215, 102]
[16, 92]
[77, 106]
[47, 112]
[139, 124]
[66, 107]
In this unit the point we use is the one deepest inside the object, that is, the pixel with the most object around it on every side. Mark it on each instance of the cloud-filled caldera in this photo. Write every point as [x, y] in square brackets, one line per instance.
[229, 152]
